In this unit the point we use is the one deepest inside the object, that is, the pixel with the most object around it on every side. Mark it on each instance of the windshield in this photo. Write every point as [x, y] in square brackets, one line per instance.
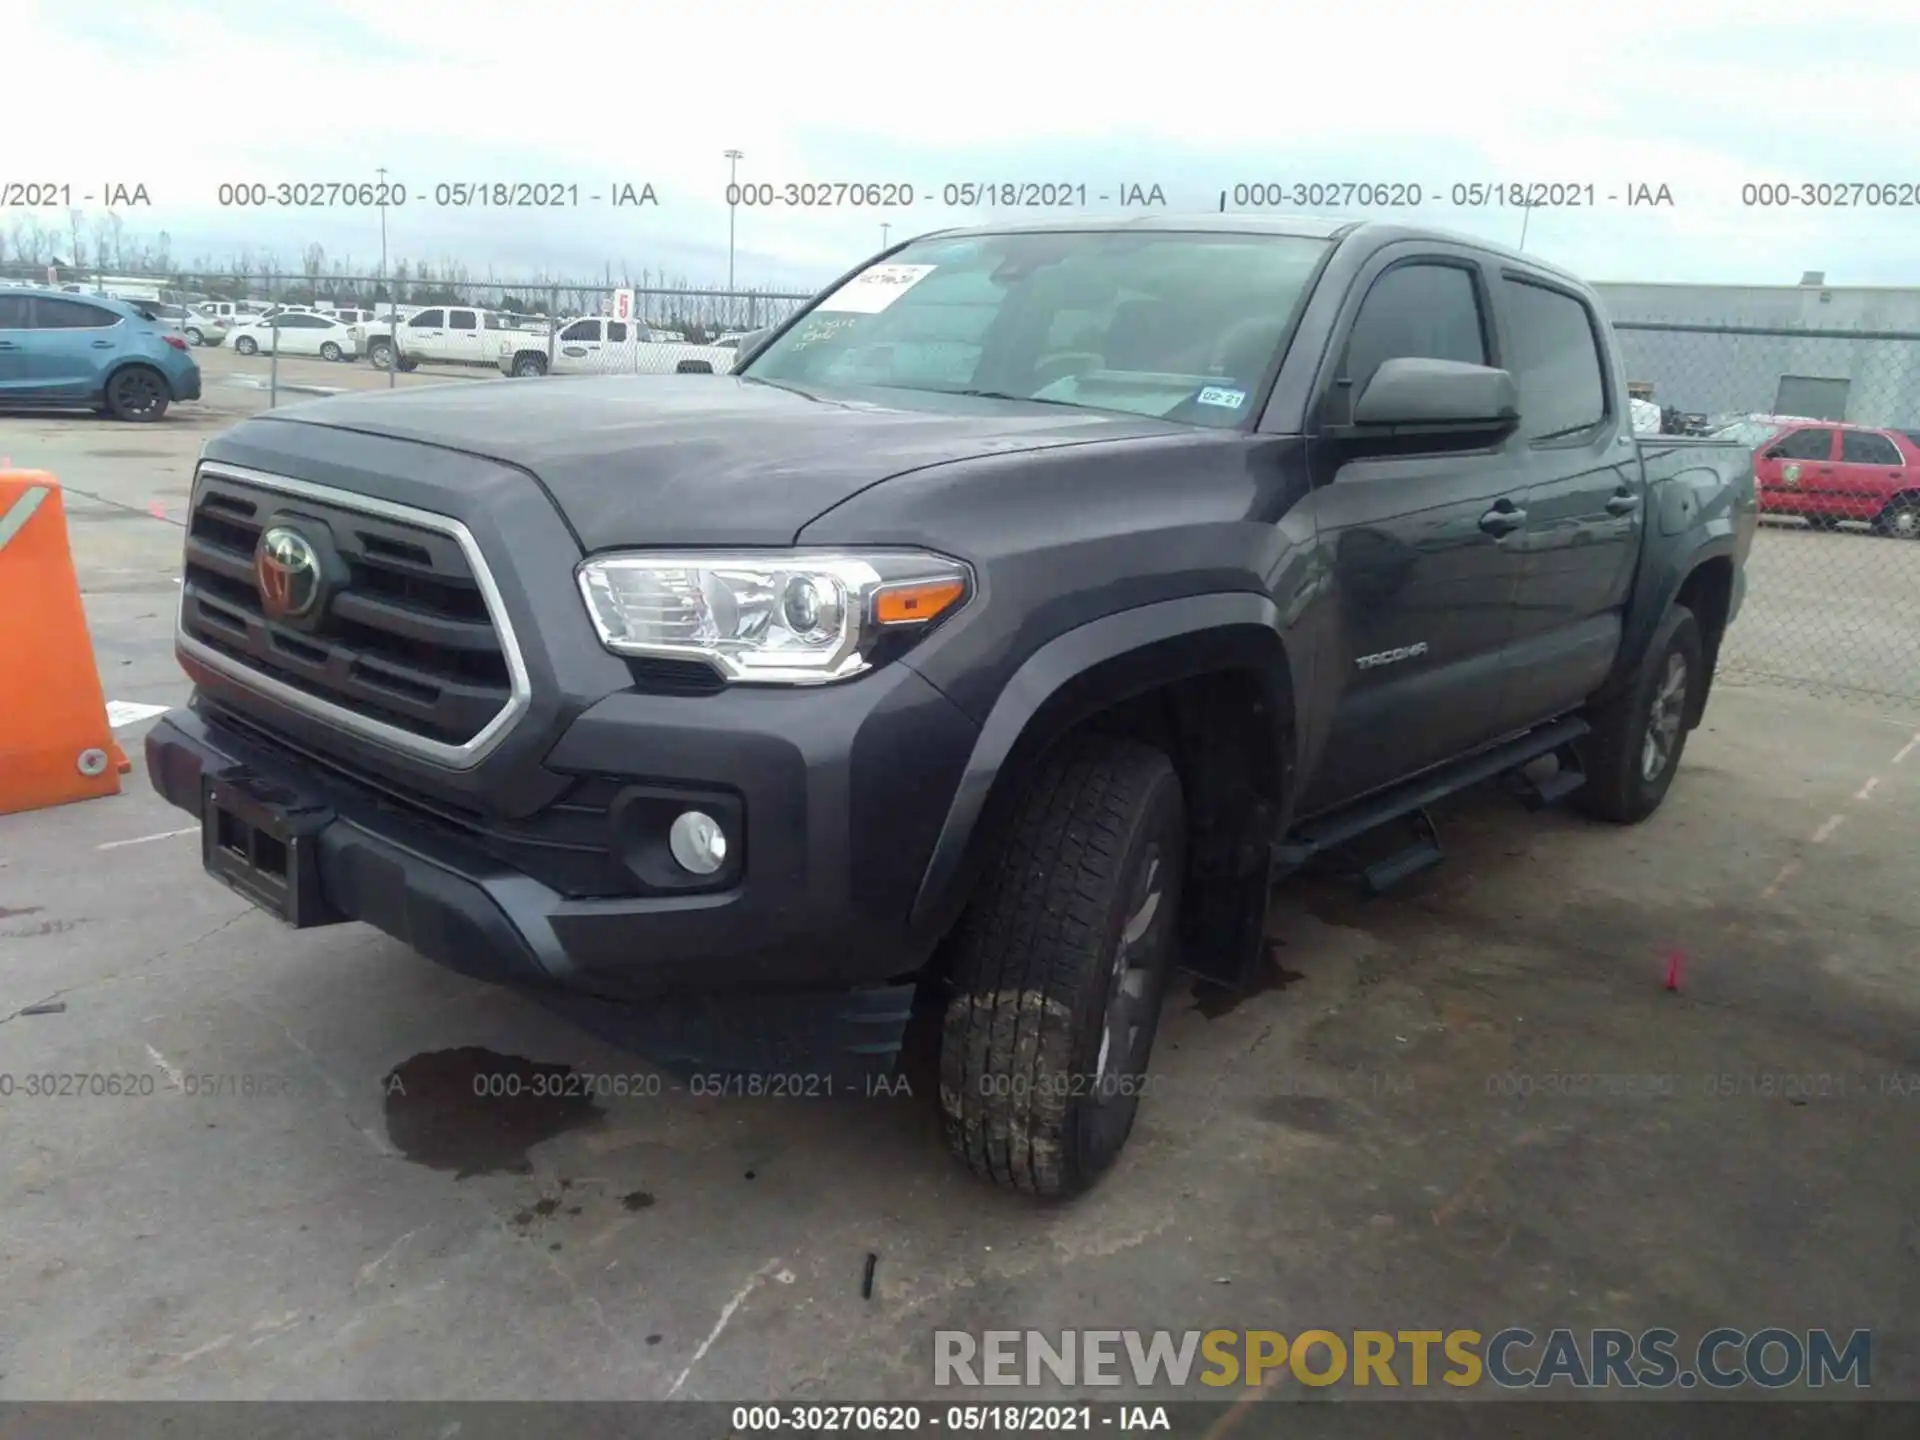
[1178, 325]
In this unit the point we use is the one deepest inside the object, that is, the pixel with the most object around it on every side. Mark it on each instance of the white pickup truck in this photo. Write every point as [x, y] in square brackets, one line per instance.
[596, 346]
[443, 335]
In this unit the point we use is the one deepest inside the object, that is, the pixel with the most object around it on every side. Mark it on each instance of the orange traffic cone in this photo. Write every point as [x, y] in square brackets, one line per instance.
[55, 743]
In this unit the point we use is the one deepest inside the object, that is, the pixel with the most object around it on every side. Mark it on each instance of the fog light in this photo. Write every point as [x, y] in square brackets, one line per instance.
[697, 842]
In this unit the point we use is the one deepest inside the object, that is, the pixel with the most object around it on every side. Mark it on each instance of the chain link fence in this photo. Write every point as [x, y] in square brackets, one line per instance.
[1833, 416]
[462, 327]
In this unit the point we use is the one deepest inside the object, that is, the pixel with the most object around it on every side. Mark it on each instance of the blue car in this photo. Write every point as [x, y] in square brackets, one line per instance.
[59, 349]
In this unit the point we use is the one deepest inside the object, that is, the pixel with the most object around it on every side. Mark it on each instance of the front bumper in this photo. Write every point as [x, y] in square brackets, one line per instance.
[836, 820]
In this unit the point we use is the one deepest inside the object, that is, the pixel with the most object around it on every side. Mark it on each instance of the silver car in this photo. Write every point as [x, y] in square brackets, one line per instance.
[197, 325]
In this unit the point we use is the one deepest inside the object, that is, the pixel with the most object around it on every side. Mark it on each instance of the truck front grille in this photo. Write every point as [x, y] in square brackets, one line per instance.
[405, 639]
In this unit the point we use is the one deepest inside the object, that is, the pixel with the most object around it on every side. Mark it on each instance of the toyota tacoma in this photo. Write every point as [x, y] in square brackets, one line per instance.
[1022, 610]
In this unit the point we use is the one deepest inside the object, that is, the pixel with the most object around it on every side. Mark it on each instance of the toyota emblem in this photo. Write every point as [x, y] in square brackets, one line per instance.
[286, 568]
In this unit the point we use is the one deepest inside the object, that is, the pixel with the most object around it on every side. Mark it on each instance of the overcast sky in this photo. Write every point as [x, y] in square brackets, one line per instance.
[1700, 96]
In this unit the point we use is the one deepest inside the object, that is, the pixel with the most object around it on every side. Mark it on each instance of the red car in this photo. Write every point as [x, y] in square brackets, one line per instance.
[1827, 471]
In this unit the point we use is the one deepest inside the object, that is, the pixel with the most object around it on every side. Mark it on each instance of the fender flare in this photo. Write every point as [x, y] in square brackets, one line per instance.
[1671, 578]
[1077, 674]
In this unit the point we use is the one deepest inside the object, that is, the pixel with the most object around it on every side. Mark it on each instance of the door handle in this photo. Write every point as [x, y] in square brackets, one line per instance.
[8, 345]
[103, 344]
[1623, 504]
[1503, 519]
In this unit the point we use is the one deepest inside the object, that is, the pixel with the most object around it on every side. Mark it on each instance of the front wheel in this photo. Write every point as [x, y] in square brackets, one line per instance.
[247, 345]
[527, 365]
[1060, 967]
[137, 393]
[380, 354]
[1633, 751]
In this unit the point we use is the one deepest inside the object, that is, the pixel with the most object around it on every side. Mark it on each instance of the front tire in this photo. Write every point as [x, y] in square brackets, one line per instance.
[1634, 750]
[137, 394]
[247, 345]
[380, 354]
[330, 351]
[529, 365]
[1060, 967]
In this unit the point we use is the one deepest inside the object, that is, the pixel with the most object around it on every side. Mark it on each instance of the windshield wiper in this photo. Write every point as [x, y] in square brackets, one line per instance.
[1003, 395]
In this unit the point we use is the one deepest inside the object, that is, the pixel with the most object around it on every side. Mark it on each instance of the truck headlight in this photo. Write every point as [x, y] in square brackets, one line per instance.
[778, 618]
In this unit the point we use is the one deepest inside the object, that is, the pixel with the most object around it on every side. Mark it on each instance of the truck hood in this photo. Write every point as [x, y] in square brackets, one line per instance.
[694, 459]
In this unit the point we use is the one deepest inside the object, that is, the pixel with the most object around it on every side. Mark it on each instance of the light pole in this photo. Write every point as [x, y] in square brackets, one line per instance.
[734, 157]
[1526, 214]
[884, 228]
[391, 367]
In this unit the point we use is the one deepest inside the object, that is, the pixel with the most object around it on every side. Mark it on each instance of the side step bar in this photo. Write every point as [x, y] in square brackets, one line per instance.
[1329, 832]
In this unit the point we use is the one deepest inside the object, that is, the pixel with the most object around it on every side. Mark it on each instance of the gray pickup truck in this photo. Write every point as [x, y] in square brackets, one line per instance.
[1015, 617]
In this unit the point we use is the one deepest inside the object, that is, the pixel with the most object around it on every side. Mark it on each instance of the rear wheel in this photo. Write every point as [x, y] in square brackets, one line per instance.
[1633, 752]
[330, 351]
[137, 393]
[1900, 518]
[247, 345]
[1061, 964]
[195, 337]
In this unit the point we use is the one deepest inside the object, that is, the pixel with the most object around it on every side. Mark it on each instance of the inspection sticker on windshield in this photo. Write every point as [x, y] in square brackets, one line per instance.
[1219, 395]
[875, 288]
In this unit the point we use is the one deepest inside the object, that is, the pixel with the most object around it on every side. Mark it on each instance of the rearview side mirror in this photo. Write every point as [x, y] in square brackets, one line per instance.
[1407, 394]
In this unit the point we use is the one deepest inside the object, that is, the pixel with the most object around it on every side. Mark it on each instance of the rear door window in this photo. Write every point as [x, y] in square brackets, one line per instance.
[1863, 447]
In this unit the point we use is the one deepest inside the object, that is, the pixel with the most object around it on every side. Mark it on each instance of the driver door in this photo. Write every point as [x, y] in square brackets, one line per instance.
[1423, 580]
[1794, 467]
[426, 336]
[576, 347]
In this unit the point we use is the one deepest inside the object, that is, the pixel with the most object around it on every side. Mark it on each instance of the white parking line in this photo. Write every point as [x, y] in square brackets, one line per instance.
[143, 839]
[132, 712]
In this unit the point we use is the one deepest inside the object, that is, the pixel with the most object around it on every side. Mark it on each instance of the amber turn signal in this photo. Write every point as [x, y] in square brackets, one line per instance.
[918, 603]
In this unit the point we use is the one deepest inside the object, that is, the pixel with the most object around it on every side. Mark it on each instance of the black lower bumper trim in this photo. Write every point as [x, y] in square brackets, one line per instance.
[431, 888]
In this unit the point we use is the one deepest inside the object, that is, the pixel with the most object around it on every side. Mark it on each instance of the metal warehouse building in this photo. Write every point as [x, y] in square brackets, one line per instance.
[1830, 352]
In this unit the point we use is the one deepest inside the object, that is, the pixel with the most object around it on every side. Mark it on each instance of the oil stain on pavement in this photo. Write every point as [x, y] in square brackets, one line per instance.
[476, 1112]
